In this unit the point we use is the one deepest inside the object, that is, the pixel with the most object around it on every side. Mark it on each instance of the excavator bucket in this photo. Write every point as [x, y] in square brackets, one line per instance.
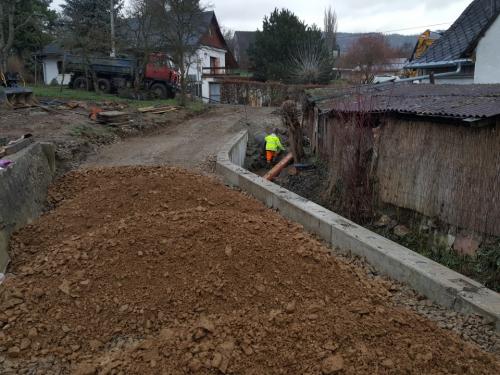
[17, 97]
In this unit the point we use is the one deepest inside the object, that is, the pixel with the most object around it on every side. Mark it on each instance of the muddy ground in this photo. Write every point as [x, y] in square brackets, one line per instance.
[151, 270]
[74, 134]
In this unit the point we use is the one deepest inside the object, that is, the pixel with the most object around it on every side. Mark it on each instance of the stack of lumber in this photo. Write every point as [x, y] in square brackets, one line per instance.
[158, 110]
[112, 118]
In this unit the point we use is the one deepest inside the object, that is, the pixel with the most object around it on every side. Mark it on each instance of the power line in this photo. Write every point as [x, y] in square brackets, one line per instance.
[416, 27]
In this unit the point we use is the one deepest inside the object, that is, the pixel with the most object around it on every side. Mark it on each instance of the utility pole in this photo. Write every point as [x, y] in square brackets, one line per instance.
[112, 12]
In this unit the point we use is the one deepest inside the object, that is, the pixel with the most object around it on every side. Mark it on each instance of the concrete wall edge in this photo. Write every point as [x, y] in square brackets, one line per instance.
[435, 281]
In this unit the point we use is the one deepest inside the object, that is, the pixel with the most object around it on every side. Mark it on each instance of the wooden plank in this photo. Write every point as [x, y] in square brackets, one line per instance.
[18, 145]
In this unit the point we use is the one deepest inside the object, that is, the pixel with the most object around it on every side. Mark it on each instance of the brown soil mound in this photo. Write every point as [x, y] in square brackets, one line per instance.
[159, 271]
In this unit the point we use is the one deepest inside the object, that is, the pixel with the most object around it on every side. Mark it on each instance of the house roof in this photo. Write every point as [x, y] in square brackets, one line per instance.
[244, 39]
[461, 39]
[462, 102]
[52, 49]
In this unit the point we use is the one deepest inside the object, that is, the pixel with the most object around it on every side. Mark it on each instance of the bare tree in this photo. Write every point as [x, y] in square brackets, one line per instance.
[8, 28]
[367, 55]
[143, 29]
[228, 35]
[330, 30]
[183, 27]
[290, 115]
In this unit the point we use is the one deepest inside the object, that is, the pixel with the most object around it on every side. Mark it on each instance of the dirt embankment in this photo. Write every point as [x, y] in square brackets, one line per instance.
[74, 134]
[159, 271]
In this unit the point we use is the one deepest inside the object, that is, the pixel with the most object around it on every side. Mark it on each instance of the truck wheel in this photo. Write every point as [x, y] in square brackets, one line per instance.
[104, 85]
[159, 90]
[81, 83]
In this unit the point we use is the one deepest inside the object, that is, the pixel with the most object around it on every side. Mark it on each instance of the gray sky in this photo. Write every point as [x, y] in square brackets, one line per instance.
[354, 15]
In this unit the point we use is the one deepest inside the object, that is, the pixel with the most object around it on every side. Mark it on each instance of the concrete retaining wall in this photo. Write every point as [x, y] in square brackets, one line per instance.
[23, 191]
[438, 283]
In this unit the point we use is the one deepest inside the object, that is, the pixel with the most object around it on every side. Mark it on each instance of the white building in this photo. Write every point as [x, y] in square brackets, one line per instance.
[212, 61]
[469, 51]
[52, 57]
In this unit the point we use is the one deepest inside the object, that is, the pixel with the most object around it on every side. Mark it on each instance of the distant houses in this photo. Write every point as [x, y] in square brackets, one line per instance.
[469, 51]
[212, 59]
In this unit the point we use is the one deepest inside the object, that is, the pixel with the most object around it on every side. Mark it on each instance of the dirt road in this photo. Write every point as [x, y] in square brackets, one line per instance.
[173, 273]
[186, 144]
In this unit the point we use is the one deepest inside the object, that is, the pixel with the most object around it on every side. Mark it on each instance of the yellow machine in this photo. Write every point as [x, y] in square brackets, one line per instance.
[14, 93]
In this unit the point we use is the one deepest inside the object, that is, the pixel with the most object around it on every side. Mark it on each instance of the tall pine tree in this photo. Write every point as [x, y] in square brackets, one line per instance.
[87, 25]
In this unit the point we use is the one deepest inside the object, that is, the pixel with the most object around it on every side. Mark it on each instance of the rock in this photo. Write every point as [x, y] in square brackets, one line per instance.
[95, 344]
[383, 221]
[199, 334]
[25, 344]
[206, 324]
[247, 349]
[216, 360]
[290, 307]
[65, 287]
[167, 334]
[195, 365]
[32, 332]
[331, 346]
[85, 369]
[466, 245]
[388, 363]
[332, 364]
[228, 251]
[401, 231]
[14, 351]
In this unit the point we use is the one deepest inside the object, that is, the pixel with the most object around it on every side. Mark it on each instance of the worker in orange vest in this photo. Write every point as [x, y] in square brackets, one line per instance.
[273, 147]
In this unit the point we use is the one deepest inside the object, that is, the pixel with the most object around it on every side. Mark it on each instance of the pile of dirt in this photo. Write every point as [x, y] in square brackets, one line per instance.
[156, 270]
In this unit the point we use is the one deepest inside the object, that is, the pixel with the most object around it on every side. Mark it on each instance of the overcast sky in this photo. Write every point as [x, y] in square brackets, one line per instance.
[402, 16]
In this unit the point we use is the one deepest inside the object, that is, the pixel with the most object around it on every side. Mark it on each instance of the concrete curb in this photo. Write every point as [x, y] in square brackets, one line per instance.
[438, 283]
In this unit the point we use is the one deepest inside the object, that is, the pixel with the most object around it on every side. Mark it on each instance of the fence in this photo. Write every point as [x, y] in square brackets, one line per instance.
[441, 170]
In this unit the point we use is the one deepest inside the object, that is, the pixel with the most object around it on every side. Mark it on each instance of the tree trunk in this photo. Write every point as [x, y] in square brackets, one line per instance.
[291, 118]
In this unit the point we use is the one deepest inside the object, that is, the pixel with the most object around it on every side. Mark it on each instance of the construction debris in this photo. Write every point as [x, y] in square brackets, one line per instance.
[17, 145]
[183, 275]
[112, 118]
[158, 110]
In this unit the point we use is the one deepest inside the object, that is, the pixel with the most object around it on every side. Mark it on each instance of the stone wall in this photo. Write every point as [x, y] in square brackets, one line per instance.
[260, 94]
[23, 191]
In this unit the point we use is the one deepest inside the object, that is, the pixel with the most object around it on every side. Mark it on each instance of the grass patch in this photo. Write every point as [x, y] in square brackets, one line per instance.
[91, 96]
[95, 134]
[484, 267]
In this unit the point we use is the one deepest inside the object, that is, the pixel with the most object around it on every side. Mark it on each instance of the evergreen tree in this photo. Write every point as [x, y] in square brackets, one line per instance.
[282, 34]
[87, 26]
[25, 26]
[288, 50]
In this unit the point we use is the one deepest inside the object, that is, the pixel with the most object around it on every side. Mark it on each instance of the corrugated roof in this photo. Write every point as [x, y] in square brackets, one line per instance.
[457, 101]
[461, 39]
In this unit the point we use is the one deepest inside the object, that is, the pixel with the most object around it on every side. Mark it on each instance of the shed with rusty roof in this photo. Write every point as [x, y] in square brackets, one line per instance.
[433, 149]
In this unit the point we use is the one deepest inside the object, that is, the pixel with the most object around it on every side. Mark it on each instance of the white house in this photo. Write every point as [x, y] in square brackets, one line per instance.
[52, 57]
[468, 52]
[212, 61]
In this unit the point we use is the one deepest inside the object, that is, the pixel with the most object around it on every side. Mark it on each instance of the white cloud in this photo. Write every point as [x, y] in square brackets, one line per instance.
[354, 15]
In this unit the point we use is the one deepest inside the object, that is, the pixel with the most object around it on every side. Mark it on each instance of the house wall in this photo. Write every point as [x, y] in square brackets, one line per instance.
[488, 56]
[202, 60]
[447, 171]
[51, 72]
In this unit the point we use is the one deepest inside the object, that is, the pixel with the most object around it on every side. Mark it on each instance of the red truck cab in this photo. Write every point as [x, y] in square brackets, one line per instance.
[161, 76]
